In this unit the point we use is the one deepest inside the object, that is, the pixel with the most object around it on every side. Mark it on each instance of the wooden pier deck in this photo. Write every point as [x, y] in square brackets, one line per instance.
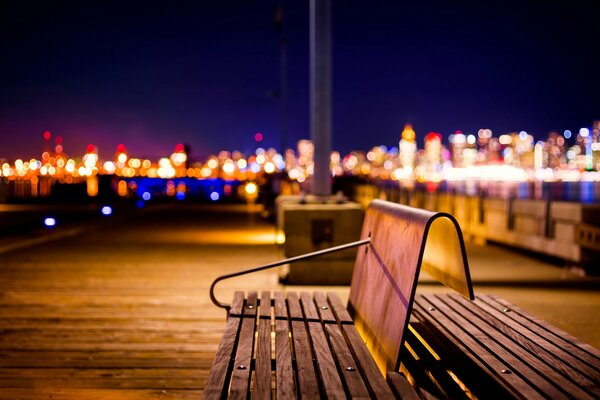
[121, 310]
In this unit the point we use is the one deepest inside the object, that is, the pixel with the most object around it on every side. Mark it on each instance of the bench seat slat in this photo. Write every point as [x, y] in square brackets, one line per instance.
[435, 371]
[323, 307]
[401, 387]
[262, 376]
[332, 384]
[484, 348]
[339, 309]
[280, 305]
[547, 358]
[294, 306]
[465, 344]
[308, 306]
[240, 376]
[376, 382]
[219, 372]
[571, 345]
[347, 365]
[305, 368]
[284, 373]
[237, 304]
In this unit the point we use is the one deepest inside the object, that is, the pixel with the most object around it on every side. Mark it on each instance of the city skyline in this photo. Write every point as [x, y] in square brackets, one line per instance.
[156, 75]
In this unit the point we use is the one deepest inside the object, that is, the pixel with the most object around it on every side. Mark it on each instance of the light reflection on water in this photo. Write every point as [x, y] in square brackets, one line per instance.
[584, 192]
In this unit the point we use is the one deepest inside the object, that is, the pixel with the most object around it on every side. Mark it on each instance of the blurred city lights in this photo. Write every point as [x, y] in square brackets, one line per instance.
[584, 132]
[251, 188]
[146, 196]
[49, 221]
[106, 210]
[214, 196]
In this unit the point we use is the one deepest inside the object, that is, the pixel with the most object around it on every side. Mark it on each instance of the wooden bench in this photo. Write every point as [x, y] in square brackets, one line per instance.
[312, 346]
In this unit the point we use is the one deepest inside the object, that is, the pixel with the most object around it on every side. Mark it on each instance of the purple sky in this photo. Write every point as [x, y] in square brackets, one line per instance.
[151, 74]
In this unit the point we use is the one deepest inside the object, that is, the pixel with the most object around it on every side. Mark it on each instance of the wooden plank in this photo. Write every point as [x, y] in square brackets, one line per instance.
[345, 362]
[305, 369]
[262, 375]
[368, 367]
[286, 385]
[265, 304]
[251, 304]
[128, 378]
[442, 330]
[332, 384]
[240, 375]
[435, 369]
[323, 307]
[339, 309]
[97, 394]
[401, 387]
[294, 306]
[565, 371]
[127, 358]
[30, 339]
[586, 353]
[221, 366]
[280, 307]
[308, 306]
[307, 379]
[494, 356]
[237, 303]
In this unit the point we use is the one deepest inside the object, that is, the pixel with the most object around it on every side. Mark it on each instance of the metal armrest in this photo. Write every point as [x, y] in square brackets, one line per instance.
[279, 263]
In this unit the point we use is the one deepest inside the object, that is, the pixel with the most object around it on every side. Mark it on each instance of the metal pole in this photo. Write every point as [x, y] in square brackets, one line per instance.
[320, 93]
[279, 26]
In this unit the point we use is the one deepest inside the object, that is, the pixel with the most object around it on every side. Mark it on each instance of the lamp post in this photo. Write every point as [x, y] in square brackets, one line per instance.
[320, 93]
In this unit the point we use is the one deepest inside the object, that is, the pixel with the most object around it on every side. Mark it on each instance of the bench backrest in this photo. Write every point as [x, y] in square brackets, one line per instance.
[403, 239]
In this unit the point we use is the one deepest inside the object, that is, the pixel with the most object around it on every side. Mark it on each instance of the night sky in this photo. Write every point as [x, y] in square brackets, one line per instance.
[151, 74]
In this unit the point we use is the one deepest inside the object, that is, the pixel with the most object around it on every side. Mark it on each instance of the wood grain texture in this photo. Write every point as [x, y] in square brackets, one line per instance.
[285, 381]
[280, 305]
[262, 376]
[98, 394]
[323, 307]
[305, 369]
[492, 356]
[265, 304]
[562, 368]
[345, 362]
[295, 311]
[386, 272]
[309, 308]
[560, 338]
[339, 309]
[330, 378]
[237, 304]
[240, 376]
[221, 365]
[401, 387]
[368, 367]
